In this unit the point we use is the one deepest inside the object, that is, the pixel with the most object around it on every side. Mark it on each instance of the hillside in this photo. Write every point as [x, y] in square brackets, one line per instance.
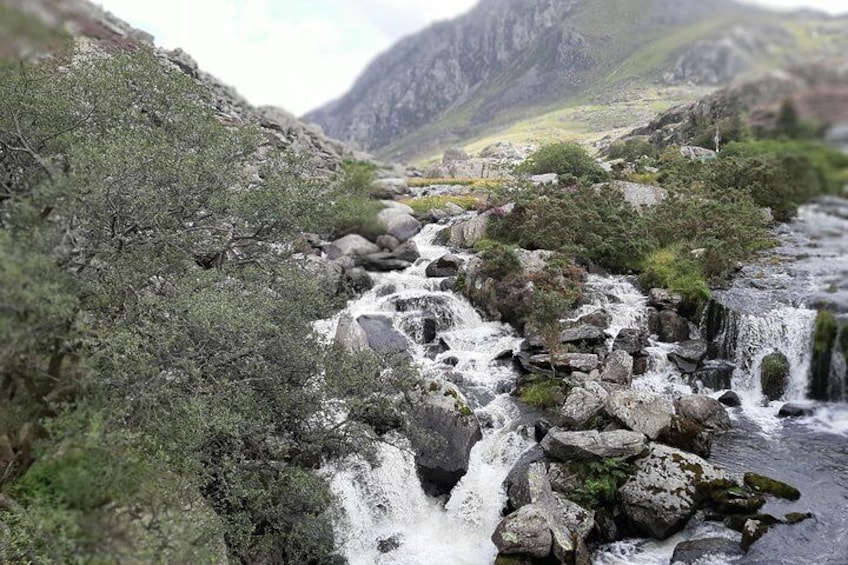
[508, 61]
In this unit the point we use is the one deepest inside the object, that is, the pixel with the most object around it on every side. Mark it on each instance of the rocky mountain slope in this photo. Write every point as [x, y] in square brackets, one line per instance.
[511, 59]
[87, 22]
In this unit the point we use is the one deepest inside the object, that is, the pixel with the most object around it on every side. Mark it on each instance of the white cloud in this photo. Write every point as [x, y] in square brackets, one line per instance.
[298, 54]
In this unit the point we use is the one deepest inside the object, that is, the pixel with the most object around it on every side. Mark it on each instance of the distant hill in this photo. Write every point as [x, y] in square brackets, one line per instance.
[508, 61]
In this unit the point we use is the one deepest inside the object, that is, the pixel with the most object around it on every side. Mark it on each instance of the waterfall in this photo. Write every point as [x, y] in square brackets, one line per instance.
[388, 518]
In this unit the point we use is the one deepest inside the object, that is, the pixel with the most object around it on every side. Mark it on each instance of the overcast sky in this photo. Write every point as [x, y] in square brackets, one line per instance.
[299, 54]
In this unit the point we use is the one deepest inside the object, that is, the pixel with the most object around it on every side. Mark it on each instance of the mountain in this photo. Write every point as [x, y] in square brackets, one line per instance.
[28, 26]
[509, 60]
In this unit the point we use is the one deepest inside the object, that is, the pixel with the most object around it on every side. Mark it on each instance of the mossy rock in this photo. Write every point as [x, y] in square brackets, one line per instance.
[774, 375]
[797, 517]
[737, 521]
[770, 486]
[736, 501]
[752, 531]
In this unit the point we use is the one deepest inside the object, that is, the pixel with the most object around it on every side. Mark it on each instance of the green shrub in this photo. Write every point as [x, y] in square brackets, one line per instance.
[674, 268]
[543, 393]
[632, 149]
[499, 261]
[566, 159]
[601, 481]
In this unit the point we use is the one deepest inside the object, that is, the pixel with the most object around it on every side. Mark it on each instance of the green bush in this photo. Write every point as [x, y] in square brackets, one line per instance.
[499, 261]
[601, 481]
[674, 268]
[546, 393]
[632, 149]
[566, 159]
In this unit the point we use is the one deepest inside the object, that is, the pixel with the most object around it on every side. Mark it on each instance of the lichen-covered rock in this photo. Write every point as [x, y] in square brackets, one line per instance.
[667, 488]
[524, 532]
[752, 531]
[704, 410]
[618, 368]
[761, 483]
[592, 445]
[583, 405]
[641, 411]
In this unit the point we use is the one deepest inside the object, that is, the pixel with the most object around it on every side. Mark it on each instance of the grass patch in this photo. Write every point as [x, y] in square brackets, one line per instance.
[543, 394]
[674, 269]
[426, 203]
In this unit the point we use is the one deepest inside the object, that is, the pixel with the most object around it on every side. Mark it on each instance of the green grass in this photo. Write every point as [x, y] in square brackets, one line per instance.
[426, 203]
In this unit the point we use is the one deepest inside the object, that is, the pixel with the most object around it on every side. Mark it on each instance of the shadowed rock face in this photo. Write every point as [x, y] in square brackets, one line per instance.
[511, 57]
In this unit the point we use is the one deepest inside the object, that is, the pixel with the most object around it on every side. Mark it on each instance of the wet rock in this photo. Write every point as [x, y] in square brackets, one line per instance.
[752, 531]
[643, 412]
[671, 327]
[618, 368]
[736, 501]
[687, 435]
[563, 362]
[358, 280]
[447, 284]
[667, 488]
[588, 334]
[517, 482]
[442, 432]
[631, 340]
[730, 398]
[766, 485]
[387, 242]
[524, 532]
[687, 355]
[389, 544]
[705, 550]
[584, 405]
[444, 266]
[383, 262]
[704, 410]
[774, 375]
[663, 299]
[715, 375]
[407, 251]
[567, 446]
[382, 336]
[599, 318]
[541, 429]
[350, 245]
[640, 365]
[797, 517]
[790, 410]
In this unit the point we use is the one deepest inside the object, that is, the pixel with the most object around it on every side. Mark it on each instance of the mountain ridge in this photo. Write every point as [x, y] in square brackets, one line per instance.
[507, 60]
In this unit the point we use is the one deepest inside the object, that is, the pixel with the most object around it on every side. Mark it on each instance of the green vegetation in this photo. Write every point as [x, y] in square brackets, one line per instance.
[632, 149]
[675, 269]
[543, 392]
[424, 204]
[499, 261]
[824, 340]
[567, 159]
[349, 207]
[767, 485]
[601, 481]
[164, 395]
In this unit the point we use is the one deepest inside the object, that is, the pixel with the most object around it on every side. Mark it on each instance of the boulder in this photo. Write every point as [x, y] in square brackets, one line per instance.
[600, 318]
[468, 232]
[641, 411]
[454, 154]
[350, 246]
[442, 432]
[630, 340]
[618, 368]
[544, 179]
[398, 223]
[382, 336]
[767, 485]
[567, 446]
[705, 550]
[667, 488]
[584, 405]
[715, 375]
[389, 188]
[694, 153]
[387, 242]
[687, 355]
[752, 531]
[517, 482]
[588, 334]
[383, 262]
[640, 196]
[774, 375]
[358, 280]
[687, 435]
[562, 362]
[407, 251]
[791, 410]
[525, 532]
[704, 410]
[445, 266]
[730, 398]
[502, 150]
[350, 334]
[671, 327]
[663, 299]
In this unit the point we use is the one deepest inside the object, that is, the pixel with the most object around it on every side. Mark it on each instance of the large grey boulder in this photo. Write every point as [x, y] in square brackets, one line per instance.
[382, 336]
[389, 187]
[350, 334]
[667, 488]
[350, 246]
[631, 340]
[468, 232]
[398, 223]
[442, 431]
[383, 262]
[706, 550]
[525, 532]
[562, 362]
[670, 326]
[704, 410]
[445, 266]
[641, 411]
[687, 355]
[592, 445]
[583, 405]
[715, 375]
[518, 482]
[618, 368]
[640, 196]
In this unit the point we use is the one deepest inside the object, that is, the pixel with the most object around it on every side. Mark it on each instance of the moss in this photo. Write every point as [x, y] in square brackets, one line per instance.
[824, 339]
[545, 393]
[796, 517]
[770, 486]
[774, 374]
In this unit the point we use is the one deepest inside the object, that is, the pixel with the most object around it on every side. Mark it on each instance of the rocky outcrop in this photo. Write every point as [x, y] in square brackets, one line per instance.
[584, 406]
[525, 532]
[442, 431]
[567, 446]
[643, 412]
[704, 410]
[667, 488]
